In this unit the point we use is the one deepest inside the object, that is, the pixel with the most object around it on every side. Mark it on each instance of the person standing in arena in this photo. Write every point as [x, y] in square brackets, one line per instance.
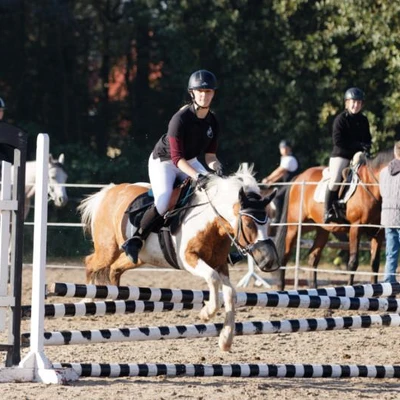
[389, 186]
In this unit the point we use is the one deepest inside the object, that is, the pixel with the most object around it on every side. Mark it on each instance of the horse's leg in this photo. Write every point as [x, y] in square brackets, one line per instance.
[229, 295]
[375, 246]
[119, 266]
[354, 243]
[213, 280]
[290, 239]
[315, 252]
[98, 264]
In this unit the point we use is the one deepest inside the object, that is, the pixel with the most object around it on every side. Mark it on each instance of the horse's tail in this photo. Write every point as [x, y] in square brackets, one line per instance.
[89, 207]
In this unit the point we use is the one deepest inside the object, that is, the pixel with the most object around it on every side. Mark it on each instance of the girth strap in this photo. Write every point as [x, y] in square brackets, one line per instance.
[167, 246]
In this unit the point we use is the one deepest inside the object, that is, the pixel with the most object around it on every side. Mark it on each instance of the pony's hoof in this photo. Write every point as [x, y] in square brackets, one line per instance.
[225, 339]
[223, 345]
[204, 316]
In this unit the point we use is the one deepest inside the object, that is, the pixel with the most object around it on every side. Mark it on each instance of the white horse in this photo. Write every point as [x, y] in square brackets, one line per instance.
[57, 177]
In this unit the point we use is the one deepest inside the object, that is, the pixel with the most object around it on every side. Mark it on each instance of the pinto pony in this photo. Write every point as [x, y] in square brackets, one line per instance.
[363, 208]
[228, 211]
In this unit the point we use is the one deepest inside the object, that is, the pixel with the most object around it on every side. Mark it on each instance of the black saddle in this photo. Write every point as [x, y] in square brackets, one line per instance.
[171, 222]
[180, 198]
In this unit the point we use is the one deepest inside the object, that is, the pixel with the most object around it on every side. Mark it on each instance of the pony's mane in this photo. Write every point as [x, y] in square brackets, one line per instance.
[382, 159]
[245, 174]
[228, 187]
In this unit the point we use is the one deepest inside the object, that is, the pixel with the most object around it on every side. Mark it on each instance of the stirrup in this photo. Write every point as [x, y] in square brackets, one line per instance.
[333, 217]
[132, 247]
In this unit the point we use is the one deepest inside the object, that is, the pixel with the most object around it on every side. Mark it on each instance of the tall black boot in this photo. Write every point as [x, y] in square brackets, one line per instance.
[133, 245]
[330, 197]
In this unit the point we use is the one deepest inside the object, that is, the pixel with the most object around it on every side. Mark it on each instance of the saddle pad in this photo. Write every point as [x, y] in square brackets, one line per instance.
[319, 194]
[320, 190]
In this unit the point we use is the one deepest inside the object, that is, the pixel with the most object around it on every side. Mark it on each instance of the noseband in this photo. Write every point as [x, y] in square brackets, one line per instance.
[248, 212]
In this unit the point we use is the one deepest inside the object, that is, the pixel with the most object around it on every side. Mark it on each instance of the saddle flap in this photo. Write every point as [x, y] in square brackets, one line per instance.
[181, 195]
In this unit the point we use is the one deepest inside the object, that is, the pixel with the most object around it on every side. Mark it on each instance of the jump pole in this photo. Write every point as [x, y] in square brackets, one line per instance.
[236, 370]
[39, 368]
[112, 292]
[112, 335]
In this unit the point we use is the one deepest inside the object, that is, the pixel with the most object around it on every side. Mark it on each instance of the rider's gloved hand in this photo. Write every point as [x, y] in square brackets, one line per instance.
[201, 181]
[366, 148]
[219, 170]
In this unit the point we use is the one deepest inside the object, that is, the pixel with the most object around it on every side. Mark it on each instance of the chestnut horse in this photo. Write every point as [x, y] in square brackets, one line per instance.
[228, 211]
[362, 208]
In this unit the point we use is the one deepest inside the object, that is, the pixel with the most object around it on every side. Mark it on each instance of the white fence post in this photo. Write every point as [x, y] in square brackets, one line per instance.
[35, 366]
[297, 266]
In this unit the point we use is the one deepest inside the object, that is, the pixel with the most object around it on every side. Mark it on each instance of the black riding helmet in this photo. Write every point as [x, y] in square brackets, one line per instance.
[354, 94]
[202, 79]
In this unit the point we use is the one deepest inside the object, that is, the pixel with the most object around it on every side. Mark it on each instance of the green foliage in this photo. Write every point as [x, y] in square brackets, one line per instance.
[282, 67]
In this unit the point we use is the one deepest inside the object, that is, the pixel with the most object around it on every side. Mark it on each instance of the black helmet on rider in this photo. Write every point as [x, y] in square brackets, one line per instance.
[2, 104]
[354, 94]
[284, 143]
[202, 79]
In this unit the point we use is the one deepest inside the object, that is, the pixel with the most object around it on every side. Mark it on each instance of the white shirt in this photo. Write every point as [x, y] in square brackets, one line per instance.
[289, 163]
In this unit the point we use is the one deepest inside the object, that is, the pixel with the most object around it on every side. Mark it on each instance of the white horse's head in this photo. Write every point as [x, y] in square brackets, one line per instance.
[57, 178]
[237, 200]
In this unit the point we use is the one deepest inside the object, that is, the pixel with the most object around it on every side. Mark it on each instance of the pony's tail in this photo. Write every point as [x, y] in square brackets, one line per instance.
[89, 207]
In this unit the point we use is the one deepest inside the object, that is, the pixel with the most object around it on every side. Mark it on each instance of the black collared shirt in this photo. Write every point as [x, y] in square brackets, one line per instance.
[188, 136]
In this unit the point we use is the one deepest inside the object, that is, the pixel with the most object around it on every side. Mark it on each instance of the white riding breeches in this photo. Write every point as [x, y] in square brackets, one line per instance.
[336, 167]
[162, 176]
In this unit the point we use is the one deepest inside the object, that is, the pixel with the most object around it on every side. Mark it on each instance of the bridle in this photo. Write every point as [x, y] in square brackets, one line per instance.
[246, 212]
[364, 186]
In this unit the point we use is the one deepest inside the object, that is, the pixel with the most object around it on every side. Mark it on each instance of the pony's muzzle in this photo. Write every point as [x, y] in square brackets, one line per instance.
[265, 255]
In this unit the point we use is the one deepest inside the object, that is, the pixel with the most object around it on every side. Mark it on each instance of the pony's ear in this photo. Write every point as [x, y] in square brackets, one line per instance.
[270, 197]
[51, 159]
[61, 158]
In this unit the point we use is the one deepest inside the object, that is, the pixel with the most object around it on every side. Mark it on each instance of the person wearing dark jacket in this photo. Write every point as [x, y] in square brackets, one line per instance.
[350, 134]
[2, 108]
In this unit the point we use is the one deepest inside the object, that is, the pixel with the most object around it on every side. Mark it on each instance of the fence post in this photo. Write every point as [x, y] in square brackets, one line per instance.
[296, 271]
[36, 360]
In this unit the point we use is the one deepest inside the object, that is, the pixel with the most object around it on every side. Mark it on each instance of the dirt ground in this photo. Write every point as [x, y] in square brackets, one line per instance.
[364, 346]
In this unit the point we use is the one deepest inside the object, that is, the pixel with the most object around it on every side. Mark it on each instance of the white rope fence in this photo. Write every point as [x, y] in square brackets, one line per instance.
[301, 243]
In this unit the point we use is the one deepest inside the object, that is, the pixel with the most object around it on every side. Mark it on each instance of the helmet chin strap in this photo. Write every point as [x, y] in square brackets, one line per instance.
[198, 106]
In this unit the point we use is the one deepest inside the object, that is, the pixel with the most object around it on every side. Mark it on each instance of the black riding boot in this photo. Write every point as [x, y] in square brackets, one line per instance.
[330, 197]
[133, 245]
